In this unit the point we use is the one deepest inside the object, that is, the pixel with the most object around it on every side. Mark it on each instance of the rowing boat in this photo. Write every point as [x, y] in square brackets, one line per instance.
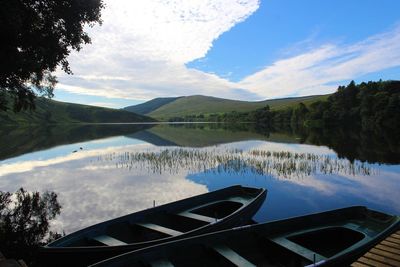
[332, 238]
[200, 214]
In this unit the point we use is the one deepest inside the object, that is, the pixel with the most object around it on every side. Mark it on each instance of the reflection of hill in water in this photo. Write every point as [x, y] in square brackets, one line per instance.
[15, 141]
[203, 135]
[354, 145]
[151, 138]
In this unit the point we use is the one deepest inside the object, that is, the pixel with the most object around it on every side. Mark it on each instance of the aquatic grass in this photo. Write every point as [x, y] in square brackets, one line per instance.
[280, 164]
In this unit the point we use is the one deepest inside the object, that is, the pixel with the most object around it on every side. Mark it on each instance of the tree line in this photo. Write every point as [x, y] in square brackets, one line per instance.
[367, 106]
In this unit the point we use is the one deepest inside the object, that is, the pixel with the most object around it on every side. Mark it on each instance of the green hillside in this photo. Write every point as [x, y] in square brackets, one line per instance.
[195, 105]
[54, 112]
[151, 105]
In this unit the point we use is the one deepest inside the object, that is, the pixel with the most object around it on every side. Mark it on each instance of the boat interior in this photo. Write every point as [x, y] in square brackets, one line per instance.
[162, 224]
[251, 248]
[329, 241]
[250, 251]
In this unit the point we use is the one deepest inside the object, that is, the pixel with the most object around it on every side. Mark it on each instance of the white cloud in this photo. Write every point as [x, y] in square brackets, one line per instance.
[102, 193]
[320, 70]
[142, 47]
[174, 31]
[23, 166]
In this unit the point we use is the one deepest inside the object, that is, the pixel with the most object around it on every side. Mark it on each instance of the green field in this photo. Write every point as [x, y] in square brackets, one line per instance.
[54, 112]
[196, 105]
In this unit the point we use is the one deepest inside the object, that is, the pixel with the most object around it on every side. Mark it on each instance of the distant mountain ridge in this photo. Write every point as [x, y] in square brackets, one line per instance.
[54, 112]
[167, 108]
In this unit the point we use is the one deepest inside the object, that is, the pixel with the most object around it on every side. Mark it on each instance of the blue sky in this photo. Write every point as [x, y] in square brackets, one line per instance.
[238, 49]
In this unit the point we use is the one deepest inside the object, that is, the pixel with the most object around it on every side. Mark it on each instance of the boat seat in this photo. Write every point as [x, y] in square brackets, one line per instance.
[242, 200]
[232, 256]
[159, 228]
[296, 248]
[161, 263]
[108, 240]
[198, 217]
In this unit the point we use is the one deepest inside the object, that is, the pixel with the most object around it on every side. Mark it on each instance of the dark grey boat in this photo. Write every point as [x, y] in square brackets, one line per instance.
[208, 212]
[333, 238]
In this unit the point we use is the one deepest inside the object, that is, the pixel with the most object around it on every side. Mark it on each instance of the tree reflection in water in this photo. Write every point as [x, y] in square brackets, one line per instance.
[25, 223]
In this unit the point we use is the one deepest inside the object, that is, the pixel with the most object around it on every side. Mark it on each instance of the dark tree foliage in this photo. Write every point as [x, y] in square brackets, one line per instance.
[264, 117]
[373, 147]
[24, 222]
[372, 106]
[36, 37]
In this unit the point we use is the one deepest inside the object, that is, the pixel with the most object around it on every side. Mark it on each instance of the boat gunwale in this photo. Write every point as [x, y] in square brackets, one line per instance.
[365, 246]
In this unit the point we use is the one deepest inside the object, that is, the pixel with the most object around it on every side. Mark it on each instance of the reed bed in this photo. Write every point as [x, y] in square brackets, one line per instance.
[283, 164]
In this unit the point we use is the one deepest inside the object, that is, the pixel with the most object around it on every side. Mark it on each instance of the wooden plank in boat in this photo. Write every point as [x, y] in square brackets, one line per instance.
[161, 263]
[161, 229]
[232, 256]
[197, 217]
[241, 200]
[108, 240]
[296, 248]
[9, 263]
[381, 259]
[385, 254]
[388, 249]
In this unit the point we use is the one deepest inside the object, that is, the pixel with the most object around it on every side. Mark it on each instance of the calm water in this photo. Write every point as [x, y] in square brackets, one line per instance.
[103, 171]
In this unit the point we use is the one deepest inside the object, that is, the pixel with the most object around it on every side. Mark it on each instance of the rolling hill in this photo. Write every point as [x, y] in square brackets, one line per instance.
[54, 112]
[149, 106]
[198, 104]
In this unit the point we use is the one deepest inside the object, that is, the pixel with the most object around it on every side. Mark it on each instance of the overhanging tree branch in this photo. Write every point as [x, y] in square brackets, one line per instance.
[37, 37]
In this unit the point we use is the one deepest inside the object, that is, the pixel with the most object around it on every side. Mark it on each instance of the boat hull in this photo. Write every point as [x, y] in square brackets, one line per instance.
[59, 253]
[333, 238]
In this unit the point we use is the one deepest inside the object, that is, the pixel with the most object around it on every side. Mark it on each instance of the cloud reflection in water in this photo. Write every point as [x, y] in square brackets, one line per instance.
[91, 189]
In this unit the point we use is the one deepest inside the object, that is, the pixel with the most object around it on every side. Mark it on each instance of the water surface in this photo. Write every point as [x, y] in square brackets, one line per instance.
[103, 171]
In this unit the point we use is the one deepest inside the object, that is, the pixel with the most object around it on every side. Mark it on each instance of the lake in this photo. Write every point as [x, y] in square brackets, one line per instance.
[103, 171]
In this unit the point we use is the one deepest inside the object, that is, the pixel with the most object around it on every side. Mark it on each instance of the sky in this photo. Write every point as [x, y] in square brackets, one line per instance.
[238, 49]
